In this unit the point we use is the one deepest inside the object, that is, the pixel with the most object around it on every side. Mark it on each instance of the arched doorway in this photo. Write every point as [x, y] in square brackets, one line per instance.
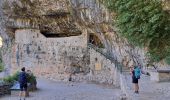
[93, 39]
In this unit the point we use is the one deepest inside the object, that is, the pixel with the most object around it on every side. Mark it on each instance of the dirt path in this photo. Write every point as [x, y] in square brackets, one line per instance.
[150, 90]
[49, 90]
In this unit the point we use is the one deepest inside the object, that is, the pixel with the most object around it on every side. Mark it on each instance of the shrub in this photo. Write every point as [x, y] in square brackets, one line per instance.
[167, 60]
[9, 80]
[1, 67]
[13, 78]
[1, 63]
[144, 23]
[31, 79]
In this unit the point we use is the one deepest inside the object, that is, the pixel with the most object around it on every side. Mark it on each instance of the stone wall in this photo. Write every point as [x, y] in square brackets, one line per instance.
[161, 75]
[4, 89]
[102, 69]
[49, 57]
[61, 58]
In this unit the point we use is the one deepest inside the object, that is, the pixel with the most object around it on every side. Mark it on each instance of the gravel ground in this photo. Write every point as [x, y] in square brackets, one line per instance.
[150, 90]
[50, 90]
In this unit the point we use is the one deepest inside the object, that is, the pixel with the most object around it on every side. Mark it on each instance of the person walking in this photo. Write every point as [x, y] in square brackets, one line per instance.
[23, 83]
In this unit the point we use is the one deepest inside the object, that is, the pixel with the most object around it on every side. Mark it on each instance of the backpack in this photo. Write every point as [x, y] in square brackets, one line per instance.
[137, 72]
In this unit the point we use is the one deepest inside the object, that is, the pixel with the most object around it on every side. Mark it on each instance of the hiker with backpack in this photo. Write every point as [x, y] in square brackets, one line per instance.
[136, 72]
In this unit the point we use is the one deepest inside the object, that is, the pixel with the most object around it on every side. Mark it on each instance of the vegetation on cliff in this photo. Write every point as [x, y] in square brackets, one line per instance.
[144, 23]
[1, 66]
[1, 62]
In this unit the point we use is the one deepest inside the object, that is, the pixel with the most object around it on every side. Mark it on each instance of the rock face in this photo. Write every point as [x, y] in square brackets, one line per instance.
[51, 17]
[51, 38]
[7, 41]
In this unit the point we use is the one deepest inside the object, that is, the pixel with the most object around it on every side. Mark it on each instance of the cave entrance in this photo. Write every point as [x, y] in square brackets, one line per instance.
[93, 39]
[59, 35]
[51, 35]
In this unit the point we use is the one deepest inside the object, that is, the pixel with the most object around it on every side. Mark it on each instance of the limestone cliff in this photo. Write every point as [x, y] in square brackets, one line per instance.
[64, 18]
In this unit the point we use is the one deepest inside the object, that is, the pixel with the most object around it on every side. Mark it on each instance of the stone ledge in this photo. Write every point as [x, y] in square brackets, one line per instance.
[163, 71]
[161, 75]
[5, 89]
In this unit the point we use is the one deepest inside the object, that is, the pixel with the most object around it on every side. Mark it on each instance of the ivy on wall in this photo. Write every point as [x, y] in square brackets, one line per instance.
[144, 23]
[1, 62]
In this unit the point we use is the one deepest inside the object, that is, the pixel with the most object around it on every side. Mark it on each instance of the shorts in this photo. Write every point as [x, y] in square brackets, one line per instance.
[134, 80]
[23, 87]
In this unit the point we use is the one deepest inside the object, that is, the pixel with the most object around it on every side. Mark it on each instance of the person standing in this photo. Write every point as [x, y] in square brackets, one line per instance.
[135, 72]
[23, 83]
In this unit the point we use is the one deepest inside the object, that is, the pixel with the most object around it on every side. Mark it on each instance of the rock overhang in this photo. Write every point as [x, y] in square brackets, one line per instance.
[51, 17]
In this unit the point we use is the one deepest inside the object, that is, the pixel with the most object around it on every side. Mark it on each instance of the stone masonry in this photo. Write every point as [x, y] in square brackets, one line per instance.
[61, 58]
[102, 69]
[49, 57]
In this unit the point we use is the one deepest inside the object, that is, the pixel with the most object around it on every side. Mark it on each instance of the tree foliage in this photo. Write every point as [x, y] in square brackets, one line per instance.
[144, 23]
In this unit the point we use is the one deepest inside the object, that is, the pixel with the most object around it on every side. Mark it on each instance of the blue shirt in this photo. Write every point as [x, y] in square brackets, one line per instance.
[22, 78]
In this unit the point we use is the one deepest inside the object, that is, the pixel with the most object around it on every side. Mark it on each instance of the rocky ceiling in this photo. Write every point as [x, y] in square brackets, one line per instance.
[60, 18]
[51, 17]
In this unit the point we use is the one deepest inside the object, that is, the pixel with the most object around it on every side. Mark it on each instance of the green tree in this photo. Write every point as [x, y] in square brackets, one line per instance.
[144, 23]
